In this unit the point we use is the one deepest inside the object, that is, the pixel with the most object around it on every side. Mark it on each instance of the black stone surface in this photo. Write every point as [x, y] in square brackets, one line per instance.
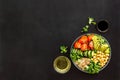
[31, 32]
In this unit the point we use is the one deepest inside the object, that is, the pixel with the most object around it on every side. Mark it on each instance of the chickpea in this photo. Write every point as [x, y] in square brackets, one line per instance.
[100, 57]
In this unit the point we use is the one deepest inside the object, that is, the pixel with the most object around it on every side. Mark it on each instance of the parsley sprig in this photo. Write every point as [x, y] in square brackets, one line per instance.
[63, 49]
[91, 21]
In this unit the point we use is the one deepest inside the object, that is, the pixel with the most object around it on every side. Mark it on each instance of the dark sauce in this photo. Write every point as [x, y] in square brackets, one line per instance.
[103, 25]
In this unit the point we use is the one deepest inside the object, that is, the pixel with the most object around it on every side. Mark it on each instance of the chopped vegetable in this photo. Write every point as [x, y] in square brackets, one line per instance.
[93, 68]
[85, 29]
[75, 53]
[63, 49]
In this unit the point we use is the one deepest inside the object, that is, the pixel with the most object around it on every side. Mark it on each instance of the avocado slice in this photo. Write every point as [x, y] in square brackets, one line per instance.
[107, 51]
[104, 47]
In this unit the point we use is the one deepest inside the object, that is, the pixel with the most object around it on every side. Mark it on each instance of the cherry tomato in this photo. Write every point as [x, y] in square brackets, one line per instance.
[90, 37]
[83, 39]
[77, 45]
[84, 47]
[91, 45]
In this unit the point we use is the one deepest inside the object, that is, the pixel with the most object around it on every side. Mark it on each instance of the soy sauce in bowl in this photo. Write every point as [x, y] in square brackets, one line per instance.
[103, 26]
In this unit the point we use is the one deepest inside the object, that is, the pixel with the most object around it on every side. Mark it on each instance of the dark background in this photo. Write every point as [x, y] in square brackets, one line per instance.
[31, 32]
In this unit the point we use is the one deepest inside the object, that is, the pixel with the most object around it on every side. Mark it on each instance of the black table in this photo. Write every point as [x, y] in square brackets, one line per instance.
[31, 32]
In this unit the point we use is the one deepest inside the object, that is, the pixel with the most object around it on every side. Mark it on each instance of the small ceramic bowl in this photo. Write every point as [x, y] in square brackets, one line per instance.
[62, 64]
[103, 26]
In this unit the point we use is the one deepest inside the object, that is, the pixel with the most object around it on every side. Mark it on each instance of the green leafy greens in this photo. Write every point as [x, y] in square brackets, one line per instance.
[63, 49]
[85, 28]
[90, 21]
[93, 68]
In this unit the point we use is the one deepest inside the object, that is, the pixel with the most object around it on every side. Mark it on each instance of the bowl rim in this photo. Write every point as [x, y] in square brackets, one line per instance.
[65, 70]
[103, 30]
[104, 65]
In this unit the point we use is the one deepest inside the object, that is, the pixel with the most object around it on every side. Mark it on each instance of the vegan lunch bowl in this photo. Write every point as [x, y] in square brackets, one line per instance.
[90, 53]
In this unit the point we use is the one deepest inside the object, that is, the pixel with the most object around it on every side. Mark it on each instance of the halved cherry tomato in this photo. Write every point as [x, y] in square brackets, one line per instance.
[84, 47]
[90, 37]
[77, 45]
[91, 45]
[83, 39]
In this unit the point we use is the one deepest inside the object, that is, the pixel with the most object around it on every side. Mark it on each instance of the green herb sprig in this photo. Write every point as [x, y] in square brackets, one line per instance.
[63, 49]
[85, 28]
[90, 22]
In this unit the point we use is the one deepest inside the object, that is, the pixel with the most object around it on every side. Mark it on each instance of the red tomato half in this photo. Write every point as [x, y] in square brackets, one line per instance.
[90, 37]
[84, 47]
[83, 39]
[77, 45]
[91, 45]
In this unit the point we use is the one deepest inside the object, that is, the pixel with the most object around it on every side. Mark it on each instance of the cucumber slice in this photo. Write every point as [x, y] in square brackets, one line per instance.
[78, 52]
[85, 53]
[78, 57]
[92, 53]
[89, 53]
[81, 54]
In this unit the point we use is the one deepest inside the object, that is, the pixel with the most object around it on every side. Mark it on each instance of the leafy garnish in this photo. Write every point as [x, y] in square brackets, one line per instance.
[91, 21]
[63, 49]
[85, 28]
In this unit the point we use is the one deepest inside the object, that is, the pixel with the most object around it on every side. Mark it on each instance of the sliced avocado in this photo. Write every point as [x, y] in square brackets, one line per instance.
[94, 37]
[104, 47]
[96, 42]
[107, 51]
[97, 45]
